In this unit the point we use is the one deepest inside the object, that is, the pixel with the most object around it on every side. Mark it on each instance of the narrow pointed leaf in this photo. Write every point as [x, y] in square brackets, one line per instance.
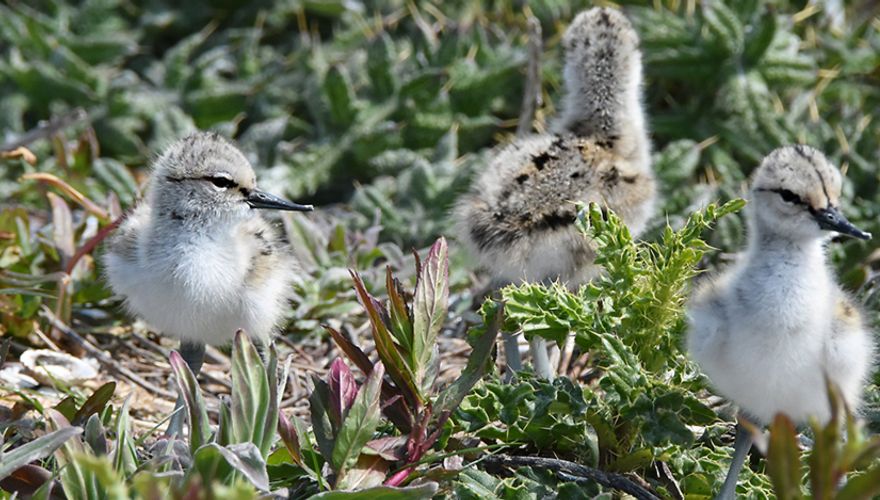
[290, 438]
[399, 315]
[783, 459]
[397, 368]
[343, 390]
[224, 422]
[396, 412]
[251, 394]
[197, 416]
[360, 425]
[319, 406]
[37, 449]
[95, 403]
[93, 435]
[476, 367]
[215, 462]
[125, 454]
[429, 308]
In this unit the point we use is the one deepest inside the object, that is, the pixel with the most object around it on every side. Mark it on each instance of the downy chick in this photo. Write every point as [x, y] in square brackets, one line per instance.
[195, 260]
[769, 330]
[518, 218]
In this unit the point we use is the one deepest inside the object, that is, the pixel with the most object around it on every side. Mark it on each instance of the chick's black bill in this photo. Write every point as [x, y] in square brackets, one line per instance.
[831, 219]
[262, 199]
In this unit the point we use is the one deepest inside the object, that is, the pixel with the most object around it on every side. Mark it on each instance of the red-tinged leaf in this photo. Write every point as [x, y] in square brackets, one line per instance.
[360, 425]
[26, 480]
[391, 448]
[196, 414]
[290, 438]
[354, 353]
[418, 261]
[71, 193]
[394, 406]
[319, 407]
[39, 448]
[62, 227]
[399, 314]
[368, 471]
[398, 369]
[430, 305]
[783, 459]
[343, 390]
[95, 403]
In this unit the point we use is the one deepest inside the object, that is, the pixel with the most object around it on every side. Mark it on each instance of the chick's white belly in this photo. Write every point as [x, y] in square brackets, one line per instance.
[777, 373]
[206, 303]
[170, 306]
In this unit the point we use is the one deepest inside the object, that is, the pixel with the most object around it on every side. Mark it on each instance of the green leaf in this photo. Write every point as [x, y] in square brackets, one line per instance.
[399, 315]
[125, 458]
[108, 481]
[783, 459]
[218, 463]
[37, 449]
[429, 311]
[340, 96]
[93, 435]
[253, 399]
[420, 492]
[95, 403]
[862, 486]
[760, 38]
[319, 407]
[389, 354]
[197, 415]
[360, 424]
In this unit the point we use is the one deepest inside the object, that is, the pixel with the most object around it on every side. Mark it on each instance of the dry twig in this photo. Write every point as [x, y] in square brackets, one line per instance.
[577, 473]
[102, 357]
[532, 92]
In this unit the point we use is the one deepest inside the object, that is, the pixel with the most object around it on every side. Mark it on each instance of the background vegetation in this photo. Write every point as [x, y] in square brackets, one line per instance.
[381, 113]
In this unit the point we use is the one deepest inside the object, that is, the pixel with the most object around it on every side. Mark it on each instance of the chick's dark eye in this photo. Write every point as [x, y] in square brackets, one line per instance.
[788, 196]
[222, 182]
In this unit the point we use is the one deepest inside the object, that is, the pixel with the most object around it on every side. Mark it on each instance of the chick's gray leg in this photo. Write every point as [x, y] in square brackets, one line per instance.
[511, 354]
[741, 446]
[193, 353]
[541, 358]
